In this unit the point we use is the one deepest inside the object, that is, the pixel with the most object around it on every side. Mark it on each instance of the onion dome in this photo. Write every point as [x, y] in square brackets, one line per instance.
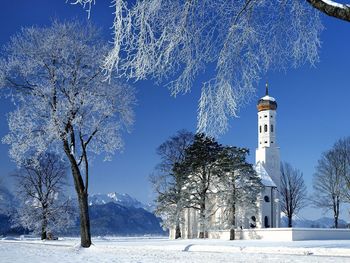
[267, 102]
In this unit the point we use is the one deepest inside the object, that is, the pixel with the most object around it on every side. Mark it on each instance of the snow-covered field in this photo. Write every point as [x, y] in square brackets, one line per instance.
[164, 250]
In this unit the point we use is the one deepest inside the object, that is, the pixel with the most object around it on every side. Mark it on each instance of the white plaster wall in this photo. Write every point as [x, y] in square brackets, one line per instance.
[271, 234]
[280, 234]
[220, 234]
[267, 139]
[266, 208]
[285, 234]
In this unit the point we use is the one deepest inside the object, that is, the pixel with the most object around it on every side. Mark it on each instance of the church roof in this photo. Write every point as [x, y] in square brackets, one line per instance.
[267, 102]
[267, 97]
[263, 174]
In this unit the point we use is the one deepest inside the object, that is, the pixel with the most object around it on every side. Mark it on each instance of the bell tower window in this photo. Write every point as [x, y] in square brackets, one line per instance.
[265, 128]
[271, 128]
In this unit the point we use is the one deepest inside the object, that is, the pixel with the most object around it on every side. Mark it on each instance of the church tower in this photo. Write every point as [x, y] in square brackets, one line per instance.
[267, 157]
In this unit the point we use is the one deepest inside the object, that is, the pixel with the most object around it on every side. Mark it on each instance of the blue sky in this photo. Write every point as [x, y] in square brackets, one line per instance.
[312, 106]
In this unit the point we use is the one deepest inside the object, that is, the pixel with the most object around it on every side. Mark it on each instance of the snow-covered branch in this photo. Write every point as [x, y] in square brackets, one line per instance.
[332, 8]
[235, 43]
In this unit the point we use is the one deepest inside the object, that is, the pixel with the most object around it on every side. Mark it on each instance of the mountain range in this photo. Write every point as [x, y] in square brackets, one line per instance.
[110, 214]
[323, 222]
[117, 198]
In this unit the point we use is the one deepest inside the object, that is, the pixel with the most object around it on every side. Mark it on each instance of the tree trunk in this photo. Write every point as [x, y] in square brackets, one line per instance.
[82, 193]
[177, 231]
[290, 224]
[202, 219]
[85, 234]
[232, 234]
[233, 220]
[336, 222]
[336, 211]
[43, 227]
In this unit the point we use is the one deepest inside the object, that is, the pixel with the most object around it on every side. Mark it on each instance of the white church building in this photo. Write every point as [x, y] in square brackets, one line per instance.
[267, 167]
[265, 221]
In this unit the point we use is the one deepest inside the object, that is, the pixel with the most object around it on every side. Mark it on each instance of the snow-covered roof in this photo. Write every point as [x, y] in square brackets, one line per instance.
[267, 97]
[265, 177]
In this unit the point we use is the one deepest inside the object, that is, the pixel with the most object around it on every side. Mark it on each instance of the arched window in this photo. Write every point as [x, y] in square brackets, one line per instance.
[271, 128]
[266, 198]
[265, 128]
[260, 129]
[253, 222]
[266, 222]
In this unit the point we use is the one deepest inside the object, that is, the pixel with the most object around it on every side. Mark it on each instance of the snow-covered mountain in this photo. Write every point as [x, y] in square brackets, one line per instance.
[115, 219]
[120, 214]
[120, 199]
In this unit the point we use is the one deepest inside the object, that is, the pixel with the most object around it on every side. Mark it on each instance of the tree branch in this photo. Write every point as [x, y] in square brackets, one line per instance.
[331, 8]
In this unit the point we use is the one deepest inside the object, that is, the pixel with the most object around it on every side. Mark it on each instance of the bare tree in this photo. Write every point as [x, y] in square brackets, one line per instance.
[173, 41]
[293, 191]
[342, 151]
[40, 186]
[168, 179]
[64, 104]
[328, 184]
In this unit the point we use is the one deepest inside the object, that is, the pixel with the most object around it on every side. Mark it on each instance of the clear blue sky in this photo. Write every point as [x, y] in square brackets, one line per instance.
[312, 105]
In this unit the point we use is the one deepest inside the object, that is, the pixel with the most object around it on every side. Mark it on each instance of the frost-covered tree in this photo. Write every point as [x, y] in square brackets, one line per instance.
[199, 167]
[293, 191]
[329, 184]
[63, 103]
[173, 41]
[40, 188]
[341, 150]
[238, 185]
[168, 180]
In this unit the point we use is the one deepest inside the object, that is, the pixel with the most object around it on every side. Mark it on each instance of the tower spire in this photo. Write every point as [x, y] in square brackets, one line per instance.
[267, 89]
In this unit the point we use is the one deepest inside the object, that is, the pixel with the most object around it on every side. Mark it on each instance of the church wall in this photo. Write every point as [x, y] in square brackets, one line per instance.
[269, 208]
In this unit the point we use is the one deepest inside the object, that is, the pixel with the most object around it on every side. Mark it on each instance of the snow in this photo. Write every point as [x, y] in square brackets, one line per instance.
[332, 3]
[143, 249]
[265, 178]
[267, 97]
[122, 199]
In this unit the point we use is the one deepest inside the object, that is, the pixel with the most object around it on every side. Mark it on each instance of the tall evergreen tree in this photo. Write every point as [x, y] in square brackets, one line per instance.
[238, 184]
[200, 166]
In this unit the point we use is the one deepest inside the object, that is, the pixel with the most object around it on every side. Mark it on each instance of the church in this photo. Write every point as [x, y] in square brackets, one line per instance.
[267, 166]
